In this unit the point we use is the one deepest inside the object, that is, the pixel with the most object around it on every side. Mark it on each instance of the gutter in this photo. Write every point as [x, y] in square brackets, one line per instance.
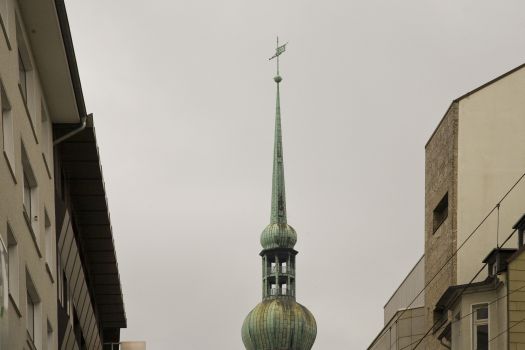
[82, 126]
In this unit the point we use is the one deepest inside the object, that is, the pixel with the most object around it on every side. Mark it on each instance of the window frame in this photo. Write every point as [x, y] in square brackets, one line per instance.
[33, 297]
[8, 130]
[440, 213]
[475, 323]
[13, 256]
[49, 245]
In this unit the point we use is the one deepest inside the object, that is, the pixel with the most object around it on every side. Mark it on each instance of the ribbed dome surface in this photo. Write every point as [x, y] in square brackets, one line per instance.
[279, 324]
[278, 236]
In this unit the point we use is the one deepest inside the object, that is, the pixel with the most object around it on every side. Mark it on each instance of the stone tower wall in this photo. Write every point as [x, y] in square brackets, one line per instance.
[441, 154]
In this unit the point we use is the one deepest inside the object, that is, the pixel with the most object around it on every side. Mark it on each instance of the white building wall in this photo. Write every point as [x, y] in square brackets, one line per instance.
[491, 157]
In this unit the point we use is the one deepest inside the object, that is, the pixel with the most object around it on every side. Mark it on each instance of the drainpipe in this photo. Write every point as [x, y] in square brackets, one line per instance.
[83, 123]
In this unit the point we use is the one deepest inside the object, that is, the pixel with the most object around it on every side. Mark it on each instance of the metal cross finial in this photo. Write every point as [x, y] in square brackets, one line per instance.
[278, 51]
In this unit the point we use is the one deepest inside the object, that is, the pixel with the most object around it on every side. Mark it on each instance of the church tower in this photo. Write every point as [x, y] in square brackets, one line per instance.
[278, 322]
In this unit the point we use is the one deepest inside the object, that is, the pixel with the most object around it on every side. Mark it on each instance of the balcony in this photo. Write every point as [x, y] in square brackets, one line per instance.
[282, 270]
[282, 292]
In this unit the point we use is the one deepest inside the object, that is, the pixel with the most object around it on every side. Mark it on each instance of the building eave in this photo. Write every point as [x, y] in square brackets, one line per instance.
[481, 87]
[47, 28]
[80, 160]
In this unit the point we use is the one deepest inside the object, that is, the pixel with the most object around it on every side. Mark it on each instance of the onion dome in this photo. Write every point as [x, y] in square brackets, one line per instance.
[279, 323]
[278, 236]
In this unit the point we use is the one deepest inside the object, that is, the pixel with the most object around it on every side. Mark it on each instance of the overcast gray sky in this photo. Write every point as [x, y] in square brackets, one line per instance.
[183, 101]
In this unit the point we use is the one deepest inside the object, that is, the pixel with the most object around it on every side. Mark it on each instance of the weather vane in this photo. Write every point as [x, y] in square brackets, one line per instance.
[278, 51]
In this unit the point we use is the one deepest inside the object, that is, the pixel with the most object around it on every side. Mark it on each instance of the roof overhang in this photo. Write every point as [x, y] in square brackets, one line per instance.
[80, 160]
[47, 29]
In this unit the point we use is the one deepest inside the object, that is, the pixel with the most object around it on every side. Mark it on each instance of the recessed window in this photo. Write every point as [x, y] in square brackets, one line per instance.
[49, 336]
[22, 76]
[4, 17]
[440, 213]
[33, 313]
[480, 326]
[30, 188]
[30, 316]
[46, 131]
[25, 68]
[7, 129]
[50, 243]
[4, 283]
[31, 206]
[13, 266]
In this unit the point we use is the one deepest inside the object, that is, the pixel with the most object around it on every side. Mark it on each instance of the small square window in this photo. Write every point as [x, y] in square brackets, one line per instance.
[440, 213]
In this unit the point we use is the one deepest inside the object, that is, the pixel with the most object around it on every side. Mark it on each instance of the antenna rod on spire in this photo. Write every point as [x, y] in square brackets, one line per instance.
[278, 51]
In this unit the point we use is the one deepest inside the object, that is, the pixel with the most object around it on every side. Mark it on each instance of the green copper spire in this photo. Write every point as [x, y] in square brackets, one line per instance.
[278, 322]
[278, 215]
[278, 234]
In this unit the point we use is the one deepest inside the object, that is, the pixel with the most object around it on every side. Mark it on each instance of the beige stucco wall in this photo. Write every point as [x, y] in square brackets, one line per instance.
[491, 157]
[497, 318]
[31, 254]
[517, 303]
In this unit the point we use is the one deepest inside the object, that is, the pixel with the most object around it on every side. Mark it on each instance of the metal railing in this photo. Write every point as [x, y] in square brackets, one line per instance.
[282, 291]
[285, 270]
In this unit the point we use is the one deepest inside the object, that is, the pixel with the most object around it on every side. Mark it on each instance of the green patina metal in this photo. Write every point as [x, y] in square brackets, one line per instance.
[278, 322]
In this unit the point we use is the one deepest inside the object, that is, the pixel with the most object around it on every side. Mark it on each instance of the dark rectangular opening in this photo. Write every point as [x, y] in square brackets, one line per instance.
[440, 213]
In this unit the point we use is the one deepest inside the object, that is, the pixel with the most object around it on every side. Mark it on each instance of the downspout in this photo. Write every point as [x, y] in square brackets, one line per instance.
[83, 123]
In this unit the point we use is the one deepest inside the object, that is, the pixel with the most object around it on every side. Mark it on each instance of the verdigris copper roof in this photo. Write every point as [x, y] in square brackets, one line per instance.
[279, 323]
[278, 234]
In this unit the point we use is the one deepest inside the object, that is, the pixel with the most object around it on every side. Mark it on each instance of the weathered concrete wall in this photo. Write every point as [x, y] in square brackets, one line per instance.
[440, 179]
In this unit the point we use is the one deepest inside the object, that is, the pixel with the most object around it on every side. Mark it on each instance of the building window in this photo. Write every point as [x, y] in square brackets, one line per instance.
[480, 326]
[46, 134]
[33, 313]
[27, 195]
[13, 266]
[22, 76]
[30, 316]
[7, 129]
[25, 69]
[4, 289]
[30, 197]
[49, 336]
[441, 212]
[50, 242]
